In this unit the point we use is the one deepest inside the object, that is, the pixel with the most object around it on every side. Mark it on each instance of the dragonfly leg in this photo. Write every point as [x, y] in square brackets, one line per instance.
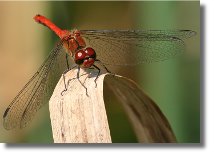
[105, 67]
[97, 75]
[67, 62]
[80, 81]
[64, 78]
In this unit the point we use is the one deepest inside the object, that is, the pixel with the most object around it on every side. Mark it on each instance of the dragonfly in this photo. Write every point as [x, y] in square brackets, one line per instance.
[87, 47]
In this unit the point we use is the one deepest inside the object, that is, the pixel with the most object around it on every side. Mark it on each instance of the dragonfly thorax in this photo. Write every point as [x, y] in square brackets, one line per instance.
[73, 42]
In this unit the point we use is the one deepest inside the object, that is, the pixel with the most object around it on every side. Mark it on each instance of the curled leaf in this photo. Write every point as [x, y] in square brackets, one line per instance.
[80, 117]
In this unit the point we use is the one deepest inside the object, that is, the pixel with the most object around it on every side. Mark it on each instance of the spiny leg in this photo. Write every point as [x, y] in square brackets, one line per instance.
[105, 67]
[64, 78]
[80, 81]
[67, 62]
[97, 75]
[100, 71]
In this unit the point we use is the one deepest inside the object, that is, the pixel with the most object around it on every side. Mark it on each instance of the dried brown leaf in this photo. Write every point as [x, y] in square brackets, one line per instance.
[78, 118]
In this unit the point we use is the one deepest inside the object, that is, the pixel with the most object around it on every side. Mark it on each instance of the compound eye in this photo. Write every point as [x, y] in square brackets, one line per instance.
[80, 55]
[90, 51]
[88, 63]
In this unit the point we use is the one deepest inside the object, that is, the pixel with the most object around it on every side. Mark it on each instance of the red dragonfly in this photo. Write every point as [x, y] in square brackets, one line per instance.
[112, 47]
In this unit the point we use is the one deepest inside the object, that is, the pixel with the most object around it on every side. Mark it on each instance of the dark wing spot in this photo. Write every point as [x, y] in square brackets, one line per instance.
[5, 113]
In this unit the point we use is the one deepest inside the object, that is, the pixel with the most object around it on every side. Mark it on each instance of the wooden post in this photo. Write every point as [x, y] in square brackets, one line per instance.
[76, 117]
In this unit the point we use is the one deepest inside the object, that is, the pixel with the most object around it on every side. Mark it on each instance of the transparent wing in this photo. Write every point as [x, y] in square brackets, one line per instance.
[116, 47]
[125, 47]
[37, 91]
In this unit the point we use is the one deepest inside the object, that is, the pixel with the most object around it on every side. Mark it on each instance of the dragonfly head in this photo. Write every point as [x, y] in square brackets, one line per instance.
[85, 57]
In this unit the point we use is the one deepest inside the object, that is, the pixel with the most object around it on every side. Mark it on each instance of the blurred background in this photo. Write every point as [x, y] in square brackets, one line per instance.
[173, 84]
